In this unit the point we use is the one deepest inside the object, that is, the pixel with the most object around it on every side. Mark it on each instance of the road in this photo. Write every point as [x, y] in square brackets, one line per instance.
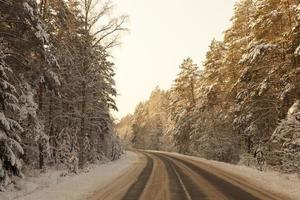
[160, 176]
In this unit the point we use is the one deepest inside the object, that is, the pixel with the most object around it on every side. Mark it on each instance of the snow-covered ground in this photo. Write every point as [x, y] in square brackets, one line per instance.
[272, 181]
[51, 186]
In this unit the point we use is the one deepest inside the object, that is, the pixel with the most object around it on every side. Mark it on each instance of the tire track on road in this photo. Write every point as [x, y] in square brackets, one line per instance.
[158, 185]
[230, 190]
[182, 187]
[136, 189]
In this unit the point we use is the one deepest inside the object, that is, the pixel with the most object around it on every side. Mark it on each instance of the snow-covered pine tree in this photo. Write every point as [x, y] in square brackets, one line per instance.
[35, 141]
[67, 150]
[265, 64]
[93, 73]
[37, 36]
[249, 82]
[10, 141]
[285, 141]
[212, 135]
[30, 56]
[183, 95]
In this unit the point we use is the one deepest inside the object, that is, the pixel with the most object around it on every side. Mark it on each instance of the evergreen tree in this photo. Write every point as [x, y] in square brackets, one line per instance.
[183, 101]
[10, 141]
[56, 70]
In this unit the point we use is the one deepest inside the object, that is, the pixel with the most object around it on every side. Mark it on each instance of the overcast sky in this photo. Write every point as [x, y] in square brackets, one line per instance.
[163, 33]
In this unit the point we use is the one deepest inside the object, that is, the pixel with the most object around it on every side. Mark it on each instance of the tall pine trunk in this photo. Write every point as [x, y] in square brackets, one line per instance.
[51, 132]
[82, 128]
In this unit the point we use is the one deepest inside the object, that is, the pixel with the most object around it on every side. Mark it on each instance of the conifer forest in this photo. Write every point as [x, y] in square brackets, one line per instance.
[224, 127]
[245, 97]
[57, 85]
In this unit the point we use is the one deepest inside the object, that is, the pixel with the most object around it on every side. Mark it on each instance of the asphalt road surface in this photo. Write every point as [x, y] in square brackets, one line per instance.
[160, 176]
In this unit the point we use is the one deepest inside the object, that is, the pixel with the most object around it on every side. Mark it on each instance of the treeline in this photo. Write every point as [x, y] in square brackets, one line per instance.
[244, 101]
[56, 84]
[147, 127]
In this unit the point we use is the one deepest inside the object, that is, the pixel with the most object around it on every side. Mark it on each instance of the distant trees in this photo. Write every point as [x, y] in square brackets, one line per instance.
[240, 100]
[57, 84]
[146, 128]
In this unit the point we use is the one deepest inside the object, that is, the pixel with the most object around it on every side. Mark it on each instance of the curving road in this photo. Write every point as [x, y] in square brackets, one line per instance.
[160, 176]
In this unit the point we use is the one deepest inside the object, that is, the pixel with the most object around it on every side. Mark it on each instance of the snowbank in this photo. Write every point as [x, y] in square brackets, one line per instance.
[52, 186]
[33, 181]
[286, 184]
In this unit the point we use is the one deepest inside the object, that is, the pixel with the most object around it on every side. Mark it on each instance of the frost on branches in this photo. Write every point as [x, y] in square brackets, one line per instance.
[256, 51]
[286, 140]
[59, 101]
[10, 148]
[67, 149]
[35, 140]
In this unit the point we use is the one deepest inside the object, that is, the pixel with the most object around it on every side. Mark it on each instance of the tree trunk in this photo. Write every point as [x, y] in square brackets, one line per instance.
[51, 133]
[41, 157]
[82, 128]
[40, 97]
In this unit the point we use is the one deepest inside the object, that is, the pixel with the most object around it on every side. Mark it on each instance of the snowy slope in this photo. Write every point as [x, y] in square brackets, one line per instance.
[76, 187]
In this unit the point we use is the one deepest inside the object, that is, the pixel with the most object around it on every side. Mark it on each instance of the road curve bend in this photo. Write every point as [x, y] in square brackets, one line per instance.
[161, 176]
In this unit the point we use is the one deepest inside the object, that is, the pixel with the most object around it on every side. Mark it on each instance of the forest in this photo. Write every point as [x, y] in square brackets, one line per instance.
[243, 99]
[56, 85]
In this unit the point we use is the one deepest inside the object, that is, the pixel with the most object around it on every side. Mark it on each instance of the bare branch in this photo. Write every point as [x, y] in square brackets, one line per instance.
[118, 28]
[93, 20]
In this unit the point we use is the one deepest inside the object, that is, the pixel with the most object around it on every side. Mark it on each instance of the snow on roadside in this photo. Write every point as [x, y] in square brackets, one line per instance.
[51, 186]
[32, 182]
[286, 184]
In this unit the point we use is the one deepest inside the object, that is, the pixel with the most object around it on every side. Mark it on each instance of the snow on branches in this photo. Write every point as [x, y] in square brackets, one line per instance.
[286, 138]
[10, 147]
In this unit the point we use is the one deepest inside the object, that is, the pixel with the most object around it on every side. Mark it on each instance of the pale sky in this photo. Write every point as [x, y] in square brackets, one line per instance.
[163, 33]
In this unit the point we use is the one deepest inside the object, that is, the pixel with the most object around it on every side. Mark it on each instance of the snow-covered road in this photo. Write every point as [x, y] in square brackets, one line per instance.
[161, 175]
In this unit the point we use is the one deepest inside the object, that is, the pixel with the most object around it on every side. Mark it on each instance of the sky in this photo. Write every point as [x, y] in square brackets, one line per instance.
[163, 33]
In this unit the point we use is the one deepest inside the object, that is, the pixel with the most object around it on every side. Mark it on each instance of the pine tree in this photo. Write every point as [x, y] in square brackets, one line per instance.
[285, 141]
[34, 138]
[183, 101]
[10, 141]
[31, 58]
[49, 51]
[250, 81]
